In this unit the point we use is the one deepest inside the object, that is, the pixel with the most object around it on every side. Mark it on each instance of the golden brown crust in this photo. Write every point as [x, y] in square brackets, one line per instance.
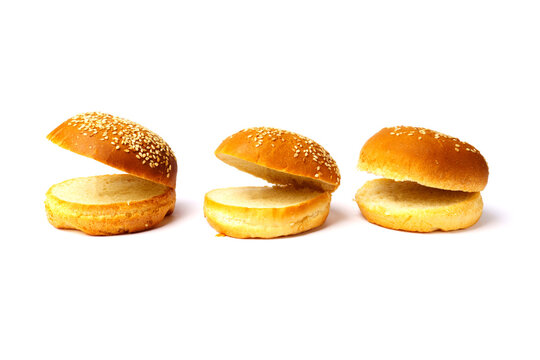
[266, 222]
[285, 152]
[109, 219]
[413, 207]
[426, 157]
[119, 143]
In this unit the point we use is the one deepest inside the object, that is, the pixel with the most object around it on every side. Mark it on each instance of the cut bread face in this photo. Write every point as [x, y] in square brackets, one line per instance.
[113, 204]
[108, 204]
[281, 157]
[265, 212]
[406, 205]
[275, 176]
[304, 171]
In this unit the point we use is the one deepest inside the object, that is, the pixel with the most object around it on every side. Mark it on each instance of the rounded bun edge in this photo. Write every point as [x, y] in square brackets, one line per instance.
[427, 157]
[280, 157]
[120, 143]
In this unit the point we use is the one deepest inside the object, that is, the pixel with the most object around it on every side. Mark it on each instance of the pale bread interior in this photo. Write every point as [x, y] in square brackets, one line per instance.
[406, 205]
[107, 189]
[274, 176]
[408, 194]
[262, 197]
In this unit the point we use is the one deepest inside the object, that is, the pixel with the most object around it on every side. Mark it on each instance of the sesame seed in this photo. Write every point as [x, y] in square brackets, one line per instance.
[127, 133]
[312, 151]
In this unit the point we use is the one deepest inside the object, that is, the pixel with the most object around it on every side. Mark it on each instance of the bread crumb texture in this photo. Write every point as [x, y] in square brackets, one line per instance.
[265, 212]
[406, 205]
[294, 159]
[108, 204]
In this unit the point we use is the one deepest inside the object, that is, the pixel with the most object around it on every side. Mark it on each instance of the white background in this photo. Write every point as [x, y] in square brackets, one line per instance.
[335, 71]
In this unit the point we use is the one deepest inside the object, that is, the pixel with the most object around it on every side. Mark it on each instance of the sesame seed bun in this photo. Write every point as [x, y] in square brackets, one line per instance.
[108, 204]
[405, 205]
[425, 157]
[305, 171]
[265, 212]
[119, 143]
[280, 157]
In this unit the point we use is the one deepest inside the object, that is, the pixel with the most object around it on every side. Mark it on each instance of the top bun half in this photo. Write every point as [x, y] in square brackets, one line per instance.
[120, 143]
[426, 157]
[280, 157]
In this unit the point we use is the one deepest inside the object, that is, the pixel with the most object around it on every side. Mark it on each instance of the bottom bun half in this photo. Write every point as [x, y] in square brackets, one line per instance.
[265, 212]
[405, 205]
[108, 204]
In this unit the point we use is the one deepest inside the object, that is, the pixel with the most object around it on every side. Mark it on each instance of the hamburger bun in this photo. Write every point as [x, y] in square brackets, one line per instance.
[433, 181]
[426, 157]
[108, 204]
[405, 205]
[280, 157]
[113, 204]
[265, 212]
[120, 143]
[304, 170]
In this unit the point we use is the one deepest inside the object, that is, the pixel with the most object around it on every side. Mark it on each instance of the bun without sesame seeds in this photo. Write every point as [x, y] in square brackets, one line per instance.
[406, 205]
[108, 204]
[304, 171]
[113, 204]
[440, 175]
[265, 212]
[426, 157]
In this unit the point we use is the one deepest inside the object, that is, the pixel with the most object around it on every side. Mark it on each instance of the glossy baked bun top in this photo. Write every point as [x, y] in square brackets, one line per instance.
[426, 157]
[280, 157]
[119, 143]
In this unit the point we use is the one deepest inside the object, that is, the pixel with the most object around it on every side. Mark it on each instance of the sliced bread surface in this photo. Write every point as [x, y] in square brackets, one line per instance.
[108, 204]
[265, 212]
[406, 205]
[281, 157]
